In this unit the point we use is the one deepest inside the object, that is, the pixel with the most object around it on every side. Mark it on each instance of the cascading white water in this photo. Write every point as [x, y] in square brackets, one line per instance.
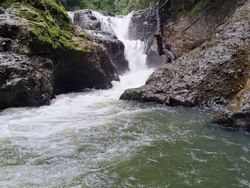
[87, 108]
[134, 53]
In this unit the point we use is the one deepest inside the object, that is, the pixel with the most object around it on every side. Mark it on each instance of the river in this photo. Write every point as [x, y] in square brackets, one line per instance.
[92, 139]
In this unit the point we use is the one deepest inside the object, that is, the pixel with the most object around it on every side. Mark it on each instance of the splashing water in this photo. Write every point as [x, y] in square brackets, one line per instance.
[134, 53]
[68, 108]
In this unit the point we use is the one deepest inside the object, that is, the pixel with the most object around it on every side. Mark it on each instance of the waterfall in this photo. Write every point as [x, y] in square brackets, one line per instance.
[71, 15]
[134, 53]
[85, 108]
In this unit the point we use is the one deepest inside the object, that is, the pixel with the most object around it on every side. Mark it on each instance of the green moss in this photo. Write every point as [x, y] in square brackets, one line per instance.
[131, 95]
[198, 7]
[190, 9]
[50, 25]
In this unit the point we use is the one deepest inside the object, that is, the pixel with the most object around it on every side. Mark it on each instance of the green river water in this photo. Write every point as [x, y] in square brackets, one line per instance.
[119, 144]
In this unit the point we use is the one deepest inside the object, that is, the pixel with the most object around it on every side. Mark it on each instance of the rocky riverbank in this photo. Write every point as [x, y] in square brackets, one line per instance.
[42, 54]
[211, 42]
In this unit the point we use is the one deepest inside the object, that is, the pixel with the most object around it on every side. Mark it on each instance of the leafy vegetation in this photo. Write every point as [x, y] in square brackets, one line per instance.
[113, 6]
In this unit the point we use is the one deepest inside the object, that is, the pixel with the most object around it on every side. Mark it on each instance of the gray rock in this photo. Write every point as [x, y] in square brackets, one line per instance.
[209, 76]
[237, 113]
[75, 71]
[25, 81]
[142, 25]
[85, 19]
[32, 71]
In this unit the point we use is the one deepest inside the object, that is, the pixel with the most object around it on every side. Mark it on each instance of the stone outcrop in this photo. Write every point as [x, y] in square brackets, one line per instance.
[42, 54]
[186, 25]
[86, 20]
[211, 75]
[143, 25]
[237, 113]
[25, 81]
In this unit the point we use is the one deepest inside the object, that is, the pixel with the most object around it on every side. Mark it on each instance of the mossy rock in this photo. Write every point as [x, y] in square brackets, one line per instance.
[49, 25]
[43, 28]
[131, 94]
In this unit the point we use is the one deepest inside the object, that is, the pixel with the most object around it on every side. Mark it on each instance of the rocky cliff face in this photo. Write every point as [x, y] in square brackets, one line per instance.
[185, 25]
[42, 54]
[213, 74]
[144, 27]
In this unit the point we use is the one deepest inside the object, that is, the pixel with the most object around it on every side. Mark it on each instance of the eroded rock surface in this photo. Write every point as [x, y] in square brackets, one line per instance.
[25, 81]
[208, 76]
[237, 113]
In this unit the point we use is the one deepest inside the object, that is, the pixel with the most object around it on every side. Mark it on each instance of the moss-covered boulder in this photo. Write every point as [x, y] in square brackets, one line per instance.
[42, 28]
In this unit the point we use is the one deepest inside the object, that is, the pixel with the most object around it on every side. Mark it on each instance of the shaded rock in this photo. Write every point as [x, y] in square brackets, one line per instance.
[154, 59]
[142, 25]
[75, 71]
[25, 81]
[237, 113]
[115, 49]
[39, 44]
[86, 20]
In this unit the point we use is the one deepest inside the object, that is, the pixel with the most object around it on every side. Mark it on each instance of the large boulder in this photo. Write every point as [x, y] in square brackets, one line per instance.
[208, 76]
[88, 21]
[237, 113]
[75, 71]
[143, 25]
[34, 34]
[25, 81]
[185, 25]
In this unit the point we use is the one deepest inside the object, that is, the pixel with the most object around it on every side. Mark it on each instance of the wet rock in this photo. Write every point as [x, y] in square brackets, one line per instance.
[115, 49]
[40, 60]
[237, 113]
[208, 76]
[87, 20]
[142, 25]
[25, 81]
[75, 71]
[154, 59]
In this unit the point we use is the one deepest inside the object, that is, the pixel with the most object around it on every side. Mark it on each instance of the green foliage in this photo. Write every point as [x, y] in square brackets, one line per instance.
[50, 25]
[113, 6]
